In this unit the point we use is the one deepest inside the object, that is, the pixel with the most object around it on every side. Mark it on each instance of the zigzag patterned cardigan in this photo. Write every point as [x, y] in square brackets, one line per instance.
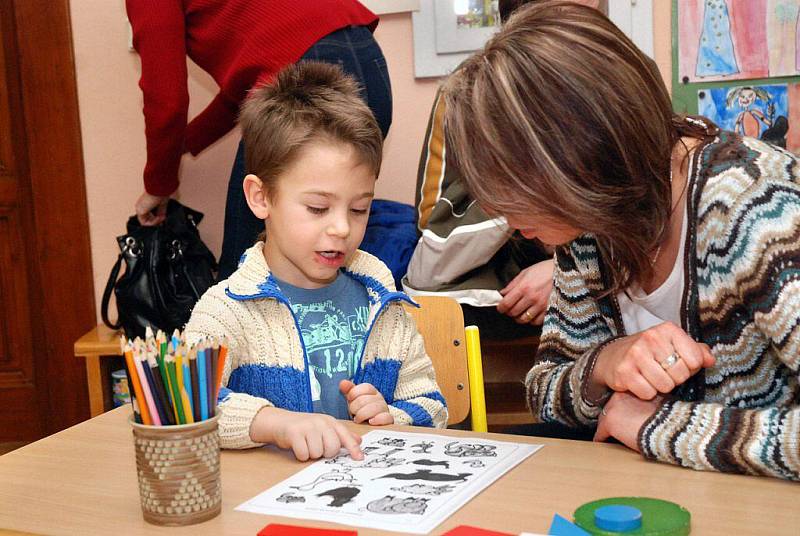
[267, 364]
[742, 298]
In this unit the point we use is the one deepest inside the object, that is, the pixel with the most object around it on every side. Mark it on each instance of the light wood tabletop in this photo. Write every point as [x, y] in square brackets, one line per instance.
[83, 481]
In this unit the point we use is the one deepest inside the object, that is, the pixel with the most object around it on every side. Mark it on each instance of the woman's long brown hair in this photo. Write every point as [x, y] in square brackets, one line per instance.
[562, 115]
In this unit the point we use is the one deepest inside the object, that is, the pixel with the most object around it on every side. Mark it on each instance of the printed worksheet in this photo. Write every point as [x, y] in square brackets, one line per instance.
[406, 482]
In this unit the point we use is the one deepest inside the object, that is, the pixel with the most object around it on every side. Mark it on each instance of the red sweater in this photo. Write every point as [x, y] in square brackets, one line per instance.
[238, 42]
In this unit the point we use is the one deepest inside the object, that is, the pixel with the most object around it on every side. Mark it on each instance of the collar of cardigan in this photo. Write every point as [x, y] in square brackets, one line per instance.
[254, 280]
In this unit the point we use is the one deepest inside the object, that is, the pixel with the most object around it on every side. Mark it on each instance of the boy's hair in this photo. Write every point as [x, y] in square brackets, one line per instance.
[561, 114]
[307, 102]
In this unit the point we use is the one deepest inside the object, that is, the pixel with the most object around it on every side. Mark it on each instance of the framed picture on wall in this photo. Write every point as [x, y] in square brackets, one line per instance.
[441, 42]
[464, 25]
[446, 32]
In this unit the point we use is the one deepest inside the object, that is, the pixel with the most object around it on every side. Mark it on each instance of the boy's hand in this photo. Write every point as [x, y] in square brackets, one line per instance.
[309, 435]
[366, 403]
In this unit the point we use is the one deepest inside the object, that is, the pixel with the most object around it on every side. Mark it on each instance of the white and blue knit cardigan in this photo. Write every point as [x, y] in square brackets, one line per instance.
[267, 364]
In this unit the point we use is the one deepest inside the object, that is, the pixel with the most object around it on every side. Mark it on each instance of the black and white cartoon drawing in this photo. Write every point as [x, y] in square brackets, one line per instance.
[422, 448]
[424, 489]
[392, 442]
[426, 474]
[468, 450]
[340, 458]
[341, 496]
[398, 505]
[337, 475]
[442, 463]
[384, 461]
[289, 498]
[406, 482]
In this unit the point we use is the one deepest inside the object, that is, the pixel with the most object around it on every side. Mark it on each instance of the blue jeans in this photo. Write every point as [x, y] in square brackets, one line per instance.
[359, 55]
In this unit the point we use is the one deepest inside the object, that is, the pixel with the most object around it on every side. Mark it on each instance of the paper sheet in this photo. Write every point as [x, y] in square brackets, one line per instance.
[406, 482]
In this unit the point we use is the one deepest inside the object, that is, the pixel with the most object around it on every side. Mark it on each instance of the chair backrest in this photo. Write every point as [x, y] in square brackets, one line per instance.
[441, 323]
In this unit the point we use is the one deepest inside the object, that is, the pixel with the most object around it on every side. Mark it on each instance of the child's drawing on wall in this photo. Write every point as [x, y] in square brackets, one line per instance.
[737, 39]
[715, 52]
[756, 111]
[782, 23]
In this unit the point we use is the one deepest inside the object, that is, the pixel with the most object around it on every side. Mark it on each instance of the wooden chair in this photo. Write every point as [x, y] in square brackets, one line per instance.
[456, 355]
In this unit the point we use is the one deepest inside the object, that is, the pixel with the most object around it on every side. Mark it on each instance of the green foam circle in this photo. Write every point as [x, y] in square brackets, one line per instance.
[659, 518]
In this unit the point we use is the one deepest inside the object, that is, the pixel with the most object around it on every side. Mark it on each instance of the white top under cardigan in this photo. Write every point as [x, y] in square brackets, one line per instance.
[641, 311]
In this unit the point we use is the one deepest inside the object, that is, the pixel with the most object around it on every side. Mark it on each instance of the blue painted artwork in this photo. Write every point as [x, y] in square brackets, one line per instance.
[756, 111]
[715, 56]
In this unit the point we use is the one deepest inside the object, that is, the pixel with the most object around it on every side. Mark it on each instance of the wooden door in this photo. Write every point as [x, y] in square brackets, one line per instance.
[46, 294]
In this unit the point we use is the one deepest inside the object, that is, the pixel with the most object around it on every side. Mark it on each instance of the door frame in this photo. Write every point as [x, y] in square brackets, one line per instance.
[53, 204]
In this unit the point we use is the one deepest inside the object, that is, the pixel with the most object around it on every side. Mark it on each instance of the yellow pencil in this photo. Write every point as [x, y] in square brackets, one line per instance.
[187, 405]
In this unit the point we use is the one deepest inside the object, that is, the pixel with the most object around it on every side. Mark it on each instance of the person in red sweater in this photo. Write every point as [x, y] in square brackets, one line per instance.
[241, 44]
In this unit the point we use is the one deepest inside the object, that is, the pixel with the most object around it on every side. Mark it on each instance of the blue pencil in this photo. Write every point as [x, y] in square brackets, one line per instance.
[201, 380]
[187, 379]
[176, 339]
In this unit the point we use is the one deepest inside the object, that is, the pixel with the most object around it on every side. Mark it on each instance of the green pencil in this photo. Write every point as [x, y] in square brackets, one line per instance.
[176, 396]
[162, 369]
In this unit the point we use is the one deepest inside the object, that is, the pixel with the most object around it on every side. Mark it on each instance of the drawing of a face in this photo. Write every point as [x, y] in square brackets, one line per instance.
[746, 98]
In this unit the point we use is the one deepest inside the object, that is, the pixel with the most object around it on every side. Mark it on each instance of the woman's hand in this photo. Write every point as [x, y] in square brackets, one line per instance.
[151, 209]
[525, 297]
[623, 416]
[650, 362]
[366, 403]
[309, 435]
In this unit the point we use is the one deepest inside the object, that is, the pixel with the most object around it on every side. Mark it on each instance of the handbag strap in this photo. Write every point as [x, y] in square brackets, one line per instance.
[112, 282]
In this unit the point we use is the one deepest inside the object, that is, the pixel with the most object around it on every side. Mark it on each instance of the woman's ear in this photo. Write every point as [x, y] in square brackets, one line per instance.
[256, 197]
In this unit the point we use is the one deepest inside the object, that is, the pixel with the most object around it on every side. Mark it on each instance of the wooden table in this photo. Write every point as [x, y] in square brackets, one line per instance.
[83, 481]
[95, 347]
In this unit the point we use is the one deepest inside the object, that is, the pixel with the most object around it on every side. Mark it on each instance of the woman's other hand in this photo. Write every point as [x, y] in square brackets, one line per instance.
[653, 361]
[525, 297]
[151, 209]
[623, 416]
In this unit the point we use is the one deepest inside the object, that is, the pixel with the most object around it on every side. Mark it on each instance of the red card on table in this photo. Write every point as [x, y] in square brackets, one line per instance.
[276, 529]
[466, 530]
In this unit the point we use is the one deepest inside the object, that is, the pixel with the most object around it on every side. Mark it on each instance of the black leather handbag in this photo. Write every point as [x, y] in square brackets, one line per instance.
[167, 269]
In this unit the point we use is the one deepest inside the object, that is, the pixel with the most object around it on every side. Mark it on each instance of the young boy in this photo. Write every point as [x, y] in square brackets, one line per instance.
[316, 330]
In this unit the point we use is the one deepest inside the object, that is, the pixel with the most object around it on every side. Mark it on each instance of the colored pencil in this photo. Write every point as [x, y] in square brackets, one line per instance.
[182, 371]
[148, 395]
[176, 339]
[176, 391]
[161, 341]
[201, 381]
[167, 413]
[195, 384]
[223, 352]
[213, 356]
[148, 335]
[136, 415]
[159, 406]
[137, 386]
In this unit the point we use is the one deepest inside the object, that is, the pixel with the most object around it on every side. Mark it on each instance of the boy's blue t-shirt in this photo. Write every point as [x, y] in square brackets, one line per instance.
[333, 324]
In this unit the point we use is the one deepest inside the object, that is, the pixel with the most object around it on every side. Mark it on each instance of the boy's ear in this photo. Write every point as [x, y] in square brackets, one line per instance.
[256, 196]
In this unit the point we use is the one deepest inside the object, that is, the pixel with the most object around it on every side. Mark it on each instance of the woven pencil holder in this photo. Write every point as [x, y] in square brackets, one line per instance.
[178, 470]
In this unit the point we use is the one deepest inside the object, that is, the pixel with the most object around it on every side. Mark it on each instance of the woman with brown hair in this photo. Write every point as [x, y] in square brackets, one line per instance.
[674, 321]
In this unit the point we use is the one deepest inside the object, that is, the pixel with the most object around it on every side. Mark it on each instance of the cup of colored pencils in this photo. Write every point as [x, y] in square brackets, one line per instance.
[174, 388]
